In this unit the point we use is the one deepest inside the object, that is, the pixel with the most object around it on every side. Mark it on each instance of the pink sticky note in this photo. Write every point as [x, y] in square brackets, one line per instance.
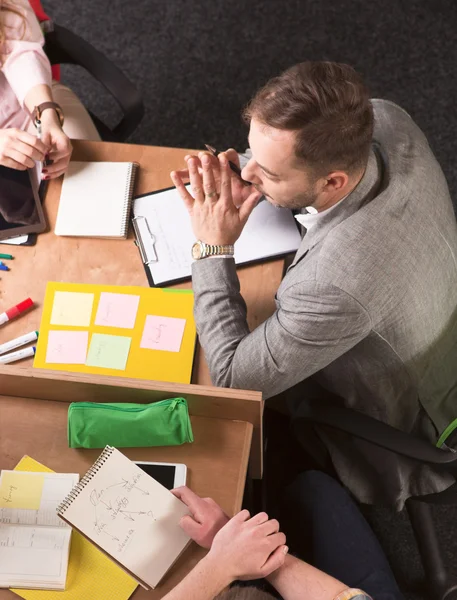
[68, 347]
[117, 310]
[163, 333]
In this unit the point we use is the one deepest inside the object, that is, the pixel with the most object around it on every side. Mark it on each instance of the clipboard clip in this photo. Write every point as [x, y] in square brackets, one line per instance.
[145, 240]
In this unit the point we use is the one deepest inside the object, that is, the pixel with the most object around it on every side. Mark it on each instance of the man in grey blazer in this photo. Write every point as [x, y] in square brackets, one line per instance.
[366, 313]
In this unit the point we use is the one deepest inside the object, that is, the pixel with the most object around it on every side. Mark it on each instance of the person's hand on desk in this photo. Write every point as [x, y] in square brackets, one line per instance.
[19, 149]
[206, 517]
[248, 548]
[220, 203]
[58, 143]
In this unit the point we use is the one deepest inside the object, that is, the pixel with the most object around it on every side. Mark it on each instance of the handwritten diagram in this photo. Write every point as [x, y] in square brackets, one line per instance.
[122, 501]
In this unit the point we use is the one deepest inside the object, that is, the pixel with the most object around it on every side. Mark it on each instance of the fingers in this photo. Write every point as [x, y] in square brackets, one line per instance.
[260, 518]
[33, 153]
[209, 183]
[189, 497]
[195, 180]
[226, 183]
[232, 155]
[183, 173]
[32, 141]
[276, 539]
[248, 205]
[241, 517]
[22, 159]
[269, 527]
[13, 164]
[182, 190]
[56, 168]
[55, 174]
[190, 527]
[275, 560]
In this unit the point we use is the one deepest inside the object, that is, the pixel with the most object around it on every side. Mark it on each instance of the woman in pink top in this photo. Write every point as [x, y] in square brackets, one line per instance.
[25, 84]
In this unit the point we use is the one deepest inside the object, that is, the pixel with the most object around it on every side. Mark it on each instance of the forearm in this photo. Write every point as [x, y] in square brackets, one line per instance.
[220, 314]
[204, 582]
[297, 580]
[36, 96]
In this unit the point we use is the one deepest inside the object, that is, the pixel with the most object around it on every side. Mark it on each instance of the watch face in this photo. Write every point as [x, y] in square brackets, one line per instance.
[197, 251]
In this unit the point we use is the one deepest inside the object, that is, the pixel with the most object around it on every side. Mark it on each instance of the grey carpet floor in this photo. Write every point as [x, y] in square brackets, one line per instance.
[198, 62]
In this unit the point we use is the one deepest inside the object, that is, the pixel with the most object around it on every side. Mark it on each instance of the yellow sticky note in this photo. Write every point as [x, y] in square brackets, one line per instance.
[72, 308]
[21, 490]
[91, 575]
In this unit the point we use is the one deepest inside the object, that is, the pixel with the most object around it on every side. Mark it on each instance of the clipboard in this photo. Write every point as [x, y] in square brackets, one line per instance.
[164, 236]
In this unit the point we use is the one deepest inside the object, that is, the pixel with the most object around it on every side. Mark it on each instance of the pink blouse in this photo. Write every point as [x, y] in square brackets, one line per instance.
[24, 65]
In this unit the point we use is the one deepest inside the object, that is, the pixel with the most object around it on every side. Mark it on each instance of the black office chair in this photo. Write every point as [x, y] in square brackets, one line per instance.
[63, 46]
[441, 582]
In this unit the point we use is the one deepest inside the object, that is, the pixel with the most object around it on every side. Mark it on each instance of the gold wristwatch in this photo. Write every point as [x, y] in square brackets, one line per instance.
[202, 250]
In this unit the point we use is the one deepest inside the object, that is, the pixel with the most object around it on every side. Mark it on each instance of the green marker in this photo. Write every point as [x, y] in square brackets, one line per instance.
[8, 256]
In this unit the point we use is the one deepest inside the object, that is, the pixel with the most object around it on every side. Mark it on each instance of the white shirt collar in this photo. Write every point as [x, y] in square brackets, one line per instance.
[311, 217]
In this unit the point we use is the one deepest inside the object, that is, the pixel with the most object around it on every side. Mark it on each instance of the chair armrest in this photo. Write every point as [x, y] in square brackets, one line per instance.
[376, 432]
[64, 46]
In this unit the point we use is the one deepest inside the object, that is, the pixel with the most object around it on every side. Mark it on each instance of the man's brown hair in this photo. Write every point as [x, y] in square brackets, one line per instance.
[244, 593]
[328, 106]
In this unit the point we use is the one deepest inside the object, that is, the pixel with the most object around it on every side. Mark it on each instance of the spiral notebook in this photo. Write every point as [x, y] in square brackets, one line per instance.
[128, 515]
[95, 200]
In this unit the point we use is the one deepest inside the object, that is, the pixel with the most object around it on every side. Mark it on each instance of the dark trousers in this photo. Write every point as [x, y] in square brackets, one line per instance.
[325, 527]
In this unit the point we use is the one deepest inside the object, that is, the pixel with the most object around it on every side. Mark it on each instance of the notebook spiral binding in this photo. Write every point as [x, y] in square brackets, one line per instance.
[128, 197]
[98, 464]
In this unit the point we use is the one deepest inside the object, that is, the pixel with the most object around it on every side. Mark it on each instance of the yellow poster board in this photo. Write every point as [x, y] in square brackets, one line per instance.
[126, 331]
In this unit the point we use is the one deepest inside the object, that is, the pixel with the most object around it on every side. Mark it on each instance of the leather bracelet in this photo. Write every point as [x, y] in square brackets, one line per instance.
[38, 111]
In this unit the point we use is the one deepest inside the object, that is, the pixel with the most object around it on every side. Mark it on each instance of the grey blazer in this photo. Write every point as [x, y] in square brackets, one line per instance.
[366, 313]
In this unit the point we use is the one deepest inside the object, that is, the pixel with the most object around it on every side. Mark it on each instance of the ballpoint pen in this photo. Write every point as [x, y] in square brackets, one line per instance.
[232, 165]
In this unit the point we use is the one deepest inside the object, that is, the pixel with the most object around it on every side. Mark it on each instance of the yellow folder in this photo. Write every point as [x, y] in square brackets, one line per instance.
[70, 308]
[91, 574]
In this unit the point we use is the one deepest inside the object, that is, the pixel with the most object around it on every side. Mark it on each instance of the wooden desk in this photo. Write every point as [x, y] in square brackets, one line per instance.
[117, 262]
[33, 402]
[217, 461]
[114, 262]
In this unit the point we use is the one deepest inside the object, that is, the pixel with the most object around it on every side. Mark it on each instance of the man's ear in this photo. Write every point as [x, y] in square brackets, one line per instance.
[335, 182]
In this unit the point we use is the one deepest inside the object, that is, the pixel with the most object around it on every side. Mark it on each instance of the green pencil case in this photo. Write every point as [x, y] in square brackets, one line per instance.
[125, 425]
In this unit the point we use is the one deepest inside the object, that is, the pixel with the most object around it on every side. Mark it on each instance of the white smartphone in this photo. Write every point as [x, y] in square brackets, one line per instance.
[170, 475]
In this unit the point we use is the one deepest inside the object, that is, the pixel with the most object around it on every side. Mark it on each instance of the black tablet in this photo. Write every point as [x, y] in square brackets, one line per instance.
[20, 205]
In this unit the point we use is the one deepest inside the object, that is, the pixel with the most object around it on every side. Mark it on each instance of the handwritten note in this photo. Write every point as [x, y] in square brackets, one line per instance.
[108, 351]
[21, 490]
[67, 347]
[72, 308]
[163, 333]
[117, 310]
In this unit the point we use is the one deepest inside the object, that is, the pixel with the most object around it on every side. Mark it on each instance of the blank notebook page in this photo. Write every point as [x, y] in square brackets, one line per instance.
[95, 199]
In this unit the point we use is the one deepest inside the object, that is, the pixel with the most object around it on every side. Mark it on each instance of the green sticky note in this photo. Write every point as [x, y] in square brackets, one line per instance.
[108, 351]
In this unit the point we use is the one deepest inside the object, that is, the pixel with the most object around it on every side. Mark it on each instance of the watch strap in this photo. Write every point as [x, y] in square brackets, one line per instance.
[215, 250]
[38, 111]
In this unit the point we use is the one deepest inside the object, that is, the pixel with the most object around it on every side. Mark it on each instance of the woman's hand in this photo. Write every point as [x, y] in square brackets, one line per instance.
[19, 149]
[57, 142]
[249, 548]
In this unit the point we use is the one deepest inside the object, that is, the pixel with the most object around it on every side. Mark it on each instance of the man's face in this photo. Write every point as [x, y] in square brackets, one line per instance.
[275, 170]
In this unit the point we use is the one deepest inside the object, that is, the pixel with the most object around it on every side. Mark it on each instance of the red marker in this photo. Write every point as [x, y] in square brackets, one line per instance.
[14, 312]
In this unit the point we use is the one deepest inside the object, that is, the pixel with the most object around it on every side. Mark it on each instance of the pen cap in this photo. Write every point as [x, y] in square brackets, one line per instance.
[19, 308]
